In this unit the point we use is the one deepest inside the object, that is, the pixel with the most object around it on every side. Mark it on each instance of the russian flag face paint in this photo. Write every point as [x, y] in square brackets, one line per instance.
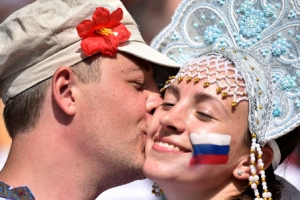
[210, 148]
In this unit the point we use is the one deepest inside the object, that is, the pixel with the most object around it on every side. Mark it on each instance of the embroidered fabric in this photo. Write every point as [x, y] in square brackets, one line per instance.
[262, 38]
[19, 193]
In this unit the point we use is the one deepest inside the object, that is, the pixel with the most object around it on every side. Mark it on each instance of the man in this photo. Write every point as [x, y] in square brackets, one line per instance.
[76, 131]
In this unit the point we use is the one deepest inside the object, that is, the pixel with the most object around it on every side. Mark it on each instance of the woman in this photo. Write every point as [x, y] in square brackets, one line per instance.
[230, 116]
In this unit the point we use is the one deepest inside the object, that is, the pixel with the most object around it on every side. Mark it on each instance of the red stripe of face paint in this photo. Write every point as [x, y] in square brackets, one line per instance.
[209, 159]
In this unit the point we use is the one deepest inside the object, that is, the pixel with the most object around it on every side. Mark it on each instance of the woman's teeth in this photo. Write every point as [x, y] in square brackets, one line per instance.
[167, 145]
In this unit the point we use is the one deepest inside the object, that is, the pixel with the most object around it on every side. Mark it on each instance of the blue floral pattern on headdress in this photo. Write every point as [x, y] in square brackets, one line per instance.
[288, 83]
[268, 29]
[279, 47]
[251, 22]
[212, 33]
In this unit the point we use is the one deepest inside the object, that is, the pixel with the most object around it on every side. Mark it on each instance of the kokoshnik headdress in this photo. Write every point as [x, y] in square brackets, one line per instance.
[262, 39]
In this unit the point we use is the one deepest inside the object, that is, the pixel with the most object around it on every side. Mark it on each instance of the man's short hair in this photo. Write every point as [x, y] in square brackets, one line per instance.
[22, 113]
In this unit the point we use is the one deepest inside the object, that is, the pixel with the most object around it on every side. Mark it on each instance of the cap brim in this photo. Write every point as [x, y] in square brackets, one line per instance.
[145, 52]
[164, 66]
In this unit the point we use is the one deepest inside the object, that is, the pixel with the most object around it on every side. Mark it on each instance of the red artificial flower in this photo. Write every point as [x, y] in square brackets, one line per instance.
[104, 33]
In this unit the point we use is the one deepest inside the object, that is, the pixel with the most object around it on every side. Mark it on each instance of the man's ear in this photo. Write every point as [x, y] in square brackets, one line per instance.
[242, 170]
[63, 89]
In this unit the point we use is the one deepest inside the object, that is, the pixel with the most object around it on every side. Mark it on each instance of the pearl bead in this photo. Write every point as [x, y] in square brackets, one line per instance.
[253, 186]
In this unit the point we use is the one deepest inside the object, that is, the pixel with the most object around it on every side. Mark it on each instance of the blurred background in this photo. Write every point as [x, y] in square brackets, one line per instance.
[151, 17]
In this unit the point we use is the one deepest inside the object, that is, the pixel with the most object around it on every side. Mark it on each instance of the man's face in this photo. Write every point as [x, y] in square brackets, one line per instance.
[116, 111]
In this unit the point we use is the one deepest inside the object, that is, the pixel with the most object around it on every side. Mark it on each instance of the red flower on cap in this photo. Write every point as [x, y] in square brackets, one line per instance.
[104, 33]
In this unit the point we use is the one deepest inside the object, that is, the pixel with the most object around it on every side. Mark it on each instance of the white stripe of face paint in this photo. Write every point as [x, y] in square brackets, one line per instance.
[210, 138]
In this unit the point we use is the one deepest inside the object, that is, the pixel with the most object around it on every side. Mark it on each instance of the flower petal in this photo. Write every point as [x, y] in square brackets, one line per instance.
[123, 33]
[115, 18]
[101, 16]
[105, 45]
[104, 33]
[110, 48]
[85, 28]
[90, 45]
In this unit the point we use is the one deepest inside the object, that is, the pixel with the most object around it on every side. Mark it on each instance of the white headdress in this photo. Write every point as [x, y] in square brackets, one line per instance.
[262, 39]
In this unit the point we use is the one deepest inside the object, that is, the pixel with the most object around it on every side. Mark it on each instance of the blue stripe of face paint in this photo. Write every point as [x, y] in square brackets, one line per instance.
[210, 149]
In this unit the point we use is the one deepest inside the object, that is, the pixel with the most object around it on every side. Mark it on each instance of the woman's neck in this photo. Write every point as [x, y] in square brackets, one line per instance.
[179, 191]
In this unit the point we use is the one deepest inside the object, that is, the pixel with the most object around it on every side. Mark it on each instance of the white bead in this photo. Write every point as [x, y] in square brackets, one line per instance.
[265, 187]
[269, 194]
[258, 147]
[251, 178]
[256, 178]
[253, 186]
[260, 164]
[253, 171]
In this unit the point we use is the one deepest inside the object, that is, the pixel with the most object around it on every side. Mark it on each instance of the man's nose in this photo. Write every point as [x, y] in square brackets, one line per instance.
[154, 100]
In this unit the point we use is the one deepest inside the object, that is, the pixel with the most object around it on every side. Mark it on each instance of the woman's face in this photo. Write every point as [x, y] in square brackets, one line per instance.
[191, 108]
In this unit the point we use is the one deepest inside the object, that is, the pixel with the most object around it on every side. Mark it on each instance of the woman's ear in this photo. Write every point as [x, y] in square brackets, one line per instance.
[242, 170]
[267, 156]
[63, 89]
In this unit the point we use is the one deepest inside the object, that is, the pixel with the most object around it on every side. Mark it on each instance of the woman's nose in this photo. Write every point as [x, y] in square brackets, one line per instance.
[173, 120]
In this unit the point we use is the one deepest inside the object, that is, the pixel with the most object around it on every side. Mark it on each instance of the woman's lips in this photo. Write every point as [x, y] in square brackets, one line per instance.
[168, 146]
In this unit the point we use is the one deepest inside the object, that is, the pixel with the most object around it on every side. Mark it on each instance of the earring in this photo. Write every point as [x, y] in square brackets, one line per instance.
[156, 190]
[239, 173]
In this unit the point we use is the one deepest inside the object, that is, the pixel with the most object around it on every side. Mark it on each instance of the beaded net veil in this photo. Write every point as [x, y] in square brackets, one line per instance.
[213, 69]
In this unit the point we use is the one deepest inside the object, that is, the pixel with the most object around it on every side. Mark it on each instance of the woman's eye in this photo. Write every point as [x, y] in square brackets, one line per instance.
[167, 106]
[203, 116]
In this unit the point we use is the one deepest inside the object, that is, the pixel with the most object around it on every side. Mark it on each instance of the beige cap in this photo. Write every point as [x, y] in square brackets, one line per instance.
[39, 38]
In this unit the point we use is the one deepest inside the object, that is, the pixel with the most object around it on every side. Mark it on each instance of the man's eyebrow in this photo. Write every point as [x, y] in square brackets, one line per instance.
[143, 64]
[201, 97]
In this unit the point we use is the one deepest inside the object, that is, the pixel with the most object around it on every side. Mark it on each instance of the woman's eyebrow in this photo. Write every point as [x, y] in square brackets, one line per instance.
[173, 89]
[200, 97]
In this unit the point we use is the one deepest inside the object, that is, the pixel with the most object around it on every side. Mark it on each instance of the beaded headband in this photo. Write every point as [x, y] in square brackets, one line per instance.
[215, 70]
